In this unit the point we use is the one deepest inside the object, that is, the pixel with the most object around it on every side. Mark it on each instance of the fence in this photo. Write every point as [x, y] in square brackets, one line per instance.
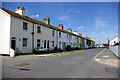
[115, 50]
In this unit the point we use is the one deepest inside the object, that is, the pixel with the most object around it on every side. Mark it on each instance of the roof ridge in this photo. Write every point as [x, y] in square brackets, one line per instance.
[39, 22]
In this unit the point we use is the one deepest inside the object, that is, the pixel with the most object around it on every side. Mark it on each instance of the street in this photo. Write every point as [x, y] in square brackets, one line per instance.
[74, 65]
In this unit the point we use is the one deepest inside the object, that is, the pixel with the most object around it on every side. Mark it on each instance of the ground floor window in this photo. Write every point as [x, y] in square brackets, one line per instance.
[53, 43]
[48, 44]
[45, 44]
[59, 44]
[38, 43]
[25, 42]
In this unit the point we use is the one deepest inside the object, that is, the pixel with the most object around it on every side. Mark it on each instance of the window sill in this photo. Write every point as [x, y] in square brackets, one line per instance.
[25, 47]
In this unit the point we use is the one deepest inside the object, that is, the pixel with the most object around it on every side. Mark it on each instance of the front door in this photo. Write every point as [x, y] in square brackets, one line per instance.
[13, 43]
[48, 44]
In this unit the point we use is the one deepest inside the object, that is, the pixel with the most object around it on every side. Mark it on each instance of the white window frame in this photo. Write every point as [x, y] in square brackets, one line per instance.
[23, 43]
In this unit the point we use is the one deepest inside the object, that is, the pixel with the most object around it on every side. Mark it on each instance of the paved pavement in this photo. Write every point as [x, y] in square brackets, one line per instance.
[107, 57]
[74, 65]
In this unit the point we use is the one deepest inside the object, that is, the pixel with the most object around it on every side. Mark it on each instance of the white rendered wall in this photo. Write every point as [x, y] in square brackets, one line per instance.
[75, 41]
[63, 38]
[116, 39]
[4, 32]
[72, 41]
[45, 34]
[18, 32]
[86, 46]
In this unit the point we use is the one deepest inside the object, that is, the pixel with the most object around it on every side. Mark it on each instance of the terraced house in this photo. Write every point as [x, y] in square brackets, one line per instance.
[22, 34]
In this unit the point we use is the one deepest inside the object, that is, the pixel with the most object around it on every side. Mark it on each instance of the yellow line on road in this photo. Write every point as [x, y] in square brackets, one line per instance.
[97, 54]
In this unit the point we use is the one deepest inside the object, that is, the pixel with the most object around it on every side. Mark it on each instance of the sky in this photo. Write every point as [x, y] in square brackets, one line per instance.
[97, 20]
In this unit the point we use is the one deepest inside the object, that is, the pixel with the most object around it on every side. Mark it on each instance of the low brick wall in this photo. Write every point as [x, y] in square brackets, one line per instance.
[115, 50]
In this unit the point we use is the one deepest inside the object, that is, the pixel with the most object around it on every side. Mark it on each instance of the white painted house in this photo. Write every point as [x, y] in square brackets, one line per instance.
[114, 40]
[22, 34]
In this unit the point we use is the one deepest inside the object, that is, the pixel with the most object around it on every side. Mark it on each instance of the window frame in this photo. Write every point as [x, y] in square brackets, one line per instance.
[53, 33]
[59, 34]
[24, 44]
[38, 43]
[53, 43]
[67, 36]
[39, 30]
[25, 26]
[59, 44]
[45, 45]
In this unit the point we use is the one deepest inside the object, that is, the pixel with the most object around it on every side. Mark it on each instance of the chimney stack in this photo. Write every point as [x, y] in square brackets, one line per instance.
[46, 21]
[60, 26]
[21, 11]
[75, 32]
[88, 37]
[69, 30]
[80, 34]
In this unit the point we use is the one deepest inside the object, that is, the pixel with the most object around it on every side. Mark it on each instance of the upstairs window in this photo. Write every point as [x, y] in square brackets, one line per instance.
[24, 25]
[59, 34]
[24, 42]
[38, 43]
[38, 29]
[67, 36]
[52, 32]
[70, 36]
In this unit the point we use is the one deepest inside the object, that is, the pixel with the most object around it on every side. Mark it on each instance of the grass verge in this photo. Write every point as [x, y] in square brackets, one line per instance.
[57, 53]
[72, 51]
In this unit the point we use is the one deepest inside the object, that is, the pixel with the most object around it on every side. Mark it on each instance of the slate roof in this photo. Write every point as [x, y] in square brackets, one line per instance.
[39, 22]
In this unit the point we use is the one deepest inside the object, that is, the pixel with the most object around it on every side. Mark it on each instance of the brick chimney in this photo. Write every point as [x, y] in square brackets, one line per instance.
[46, 21]
[80, 34]
[21, 11]
[60, 26]
[75, 32]
[69, 30]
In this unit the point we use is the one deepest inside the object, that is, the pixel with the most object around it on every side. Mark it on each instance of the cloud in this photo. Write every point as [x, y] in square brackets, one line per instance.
[100, 22]
[34, 16]
[64, 18]
[77, 11]
[100, 12]
[73, 10]
[69, 10]
[26, 9]
[105, 34]
[80, 27]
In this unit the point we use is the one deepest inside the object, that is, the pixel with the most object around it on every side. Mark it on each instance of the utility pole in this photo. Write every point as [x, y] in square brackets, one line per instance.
[108, 43]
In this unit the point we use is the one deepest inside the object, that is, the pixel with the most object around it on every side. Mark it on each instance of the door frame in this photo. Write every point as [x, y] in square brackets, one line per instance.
[13, 38]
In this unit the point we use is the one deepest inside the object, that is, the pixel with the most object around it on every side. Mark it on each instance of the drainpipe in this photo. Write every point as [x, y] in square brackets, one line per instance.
[57, 38]
[33, 38]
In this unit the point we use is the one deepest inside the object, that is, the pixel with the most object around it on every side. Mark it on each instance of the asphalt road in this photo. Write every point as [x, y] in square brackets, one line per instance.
[75, 65]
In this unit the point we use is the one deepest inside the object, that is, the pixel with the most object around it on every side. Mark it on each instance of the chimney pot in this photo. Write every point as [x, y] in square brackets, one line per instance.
[80, 34]
[60, 26]
[21, 11]
[75, 32]
[69, 30]
[46, 21]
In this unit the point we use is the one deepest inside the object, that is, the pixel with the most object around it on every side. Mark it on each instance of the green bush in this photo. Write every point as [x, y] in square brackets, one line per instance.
[60, 50]
[77, 48]
[68, 48]
[55, 48]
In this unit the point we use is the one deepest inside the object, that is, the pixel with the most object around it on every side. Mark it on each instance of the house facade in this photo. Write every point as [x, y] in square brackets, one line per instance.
[114, 41]
[22, 34]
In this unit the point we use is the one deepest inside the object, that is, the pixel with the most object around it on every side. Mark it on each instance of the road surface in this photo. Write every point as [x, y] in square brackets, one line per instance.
[74, 65]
